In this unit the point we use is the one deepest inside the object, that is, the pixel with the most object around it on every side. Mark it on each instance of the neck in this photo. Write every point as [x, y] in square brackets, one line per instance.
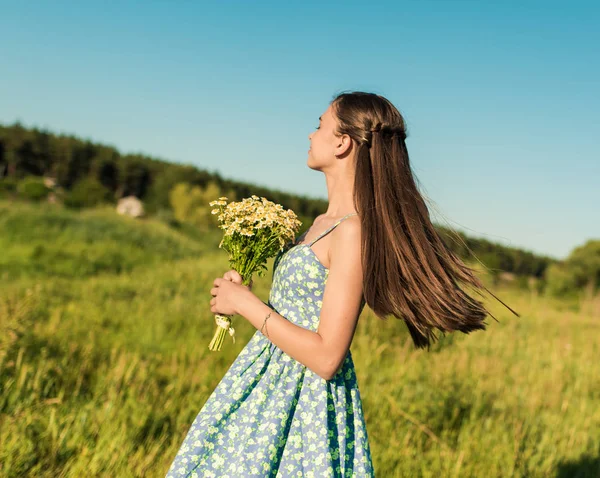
[340, 193]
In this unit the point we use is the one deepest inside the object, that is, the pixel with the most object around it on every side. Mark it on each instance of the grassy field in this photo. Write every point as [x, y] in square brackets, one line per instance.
[104, 362]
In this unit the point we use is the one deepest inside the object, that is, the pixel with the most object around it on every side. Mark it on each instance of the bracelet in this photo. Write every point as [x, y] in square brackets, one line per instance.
[265, 323]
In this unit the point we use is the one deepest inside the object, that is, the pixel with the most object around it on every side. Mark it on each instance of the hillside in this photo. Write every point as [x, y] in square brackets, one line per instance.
[45, 240]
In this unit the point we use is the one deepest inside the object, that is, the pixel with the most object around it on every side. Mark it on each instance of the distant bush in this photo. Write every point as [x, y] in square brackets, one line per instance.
[88, 192]
[8, 186]
[32, 188]
[191, 203]
[578, 271]
[168, 217]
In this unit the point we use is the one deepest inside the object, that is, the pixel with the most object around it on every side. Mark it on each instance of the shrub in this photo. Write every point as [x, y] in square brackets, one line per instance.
[8, 186]
[168, 217]
[191, 203]
[88, 192]
[33, 188]
[578, 271]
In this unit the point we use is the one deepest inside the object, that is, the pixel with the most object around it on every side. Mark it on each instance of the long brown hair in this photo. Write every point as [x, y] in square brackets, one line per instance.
[408, 270]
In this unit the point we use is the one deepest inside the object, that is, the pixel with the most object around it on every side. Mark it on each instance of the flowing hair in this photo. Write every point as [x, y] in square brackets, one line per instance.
[408, 271]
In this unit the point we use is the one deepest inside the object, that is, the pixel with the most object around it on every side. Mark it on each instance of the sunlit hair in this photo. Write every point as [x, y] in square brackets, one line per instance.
[408, 270]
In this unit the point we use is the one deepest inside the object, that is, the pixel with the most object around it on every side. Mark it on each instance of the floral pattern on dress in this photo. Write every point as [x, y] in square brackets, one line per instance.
[271, 416]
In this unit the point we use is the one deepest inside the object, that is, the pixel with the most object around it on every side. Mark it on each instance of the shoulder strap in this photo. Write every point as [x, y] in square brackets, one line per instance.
[331, 228]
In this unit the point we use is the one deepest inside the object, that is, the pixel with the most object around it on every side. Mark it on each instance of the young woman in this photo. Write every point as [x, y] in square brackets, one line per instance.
[289, 405]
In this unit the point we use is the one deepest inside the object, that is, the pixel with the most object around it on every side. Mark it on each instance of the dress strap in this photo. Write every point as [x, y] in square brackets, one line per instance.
[331, 228]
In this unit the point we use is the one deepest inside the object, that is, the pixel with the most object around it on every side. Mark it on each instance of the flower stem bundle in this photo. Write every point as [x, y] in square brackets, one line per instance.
[255, 229]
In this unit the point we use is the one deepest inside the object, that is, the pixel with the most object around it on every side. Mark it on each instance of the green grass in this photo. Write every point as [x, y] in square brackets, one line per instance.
[46, 240]
[104, 368]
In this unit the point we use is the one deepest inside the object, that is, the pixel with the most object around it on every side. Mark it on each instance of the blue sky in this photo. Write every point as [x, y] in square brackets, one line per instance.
[501, 99]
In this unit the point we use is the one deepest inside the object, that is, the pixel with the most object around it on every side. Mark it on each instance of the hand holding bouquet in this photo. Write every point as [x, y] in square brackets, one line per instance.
[255, 230]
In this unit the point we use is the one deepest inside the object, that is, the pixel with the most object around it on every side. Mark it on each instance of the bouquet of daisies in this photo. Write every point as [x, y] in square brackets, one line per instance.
[255, 230]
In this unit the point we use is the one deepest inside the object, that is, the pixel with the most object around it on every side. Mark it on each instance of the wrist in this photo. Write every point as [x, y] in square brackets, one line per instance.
[246, 299]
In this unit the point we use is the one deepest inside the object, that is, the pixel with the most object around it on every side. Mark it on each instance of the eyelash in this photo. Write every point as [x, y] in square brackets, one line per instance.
[318, 127]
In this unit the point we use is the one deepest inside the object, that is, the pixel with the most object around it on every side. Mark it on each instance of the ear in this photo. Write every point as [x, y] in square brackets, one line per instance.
[344, 145]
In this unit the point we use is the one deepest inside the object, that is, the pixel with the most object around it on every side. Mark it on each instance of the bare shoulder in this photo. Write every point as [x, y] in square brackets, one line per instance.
[348, 230]
[319, 219]
[347, 238]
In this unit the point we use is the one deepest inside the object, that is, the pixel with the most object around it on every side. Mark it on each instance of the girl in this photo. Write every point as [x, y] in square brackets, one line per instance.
[289, 405]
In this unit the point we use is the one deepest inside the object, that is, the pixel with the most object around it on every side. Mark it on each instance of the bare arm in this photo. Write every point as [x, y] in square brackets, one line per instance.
[322, 351]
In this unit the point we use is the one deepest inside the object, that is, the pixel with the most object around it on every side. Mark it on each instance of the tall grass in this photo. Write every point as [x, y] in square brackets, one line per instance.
[103, 372]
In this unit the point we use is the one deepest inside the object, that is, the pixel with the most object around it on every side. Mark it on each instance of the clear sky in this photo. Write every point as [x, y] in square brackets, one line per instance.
[501, 99]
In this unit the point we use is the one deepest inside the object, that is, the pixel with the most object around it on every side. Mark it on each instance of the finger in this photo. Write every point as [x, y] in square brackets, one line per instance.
[233, 276]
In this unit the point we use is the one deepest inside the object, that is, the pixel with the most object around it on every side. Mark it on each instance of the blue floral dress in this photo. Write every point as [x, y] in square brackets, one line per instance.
[270, 415]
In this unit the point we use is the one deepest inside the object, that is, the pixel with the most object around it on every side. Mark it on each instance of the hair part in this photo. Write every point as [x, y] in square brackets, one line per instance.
[408, 271]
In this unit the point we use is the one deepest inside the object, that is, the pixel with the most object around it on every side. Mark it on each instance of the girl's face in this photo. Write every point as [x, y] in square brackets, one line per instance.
[323, 142]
